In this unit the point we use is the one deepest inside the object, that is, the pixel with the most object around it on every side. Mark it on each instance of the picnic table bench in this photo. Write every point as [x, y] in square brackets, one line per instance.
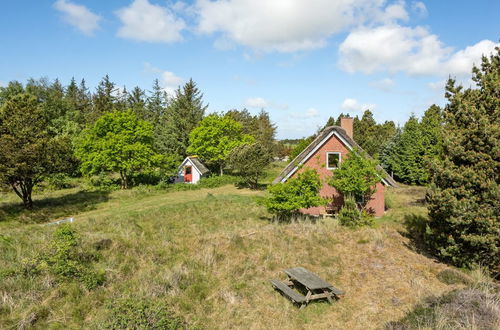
[314, 287]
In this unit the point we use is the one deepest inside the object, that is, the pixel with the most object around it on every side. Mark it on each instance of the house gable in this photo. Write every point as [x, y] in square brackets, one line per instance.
[319, 148]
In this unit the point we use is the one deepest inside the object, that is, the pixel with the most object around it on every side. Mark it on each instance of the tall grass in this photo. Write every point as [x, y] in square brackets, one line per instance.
[206, 257]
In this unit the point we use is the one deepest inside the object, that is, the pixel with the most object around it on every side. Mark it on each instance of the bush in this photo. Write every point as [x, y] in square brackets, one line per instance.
[285, 199]
[59, 181]
[66, 260]
[351, 216]
[103, 181]
[131, 313]
[218, 181]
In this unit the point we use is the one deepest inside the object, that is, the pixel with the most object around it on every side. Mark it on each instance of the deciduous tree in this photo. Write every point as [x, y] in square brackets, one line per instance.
[118, 142]
[29, 151]
[214, 139]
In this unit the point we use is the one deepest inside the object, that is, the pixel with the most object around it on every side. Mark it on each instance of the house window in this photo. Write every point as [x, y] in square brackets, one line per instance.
[332, 160]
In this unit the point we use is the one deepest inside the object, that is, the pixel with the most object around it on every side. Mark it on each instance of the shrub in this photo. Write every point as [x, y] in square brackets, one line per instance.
[132, 313]
[66, 260]
[218, 181]
[356, 176]
[285, 199]
[59, 181]
[351, 216]
[103, 181]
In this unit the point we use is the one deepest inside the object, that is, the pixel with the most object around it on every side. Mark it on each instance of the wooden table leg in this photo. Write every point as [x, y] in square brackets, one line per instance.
[329, 296]
[308, 296]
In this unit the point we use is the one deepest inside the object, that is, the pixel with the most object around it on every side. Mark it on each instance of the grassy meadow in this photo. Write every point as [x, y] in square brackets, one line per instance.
[206, 256]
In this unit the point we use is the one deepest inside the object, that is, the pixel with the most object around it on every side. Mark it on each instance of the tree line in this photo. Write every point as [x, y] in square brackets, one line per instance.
[48, 128]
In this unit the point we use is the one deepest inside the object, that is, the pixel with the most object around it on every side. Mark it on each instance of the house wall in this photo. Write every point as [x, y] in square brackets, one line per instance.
[180, 173]
[318, 163]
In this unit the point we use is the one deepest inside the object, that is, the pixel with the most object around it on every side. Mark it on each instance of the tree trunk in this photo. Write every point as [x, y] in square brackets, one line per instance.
[221, 167]
[124, 180]
[24, 190]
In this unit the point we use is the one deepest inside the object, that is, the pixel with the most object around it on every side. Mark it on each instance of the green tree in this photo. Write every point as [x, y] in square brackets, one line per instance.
[299, 147]
[103, 100]
[250, 160]
[286, 199]
[214, 139]
[29, 150]
[259, 126]
[118, 142]
[356, 177]
[136, 100]
[464, 197]
[410, 152]
[156, 105]
[183, 114]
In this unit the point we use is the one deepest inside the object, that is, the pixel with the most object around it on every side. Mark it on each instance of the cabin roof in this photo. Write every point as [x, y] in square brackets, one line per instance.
[326, 134]
[200, 167]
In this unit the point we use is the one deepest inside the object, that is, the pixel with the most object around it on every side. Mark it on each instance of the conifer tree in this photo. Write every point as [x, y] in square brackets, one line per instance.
[156, 104]
[463, 201]
[136, 100]
[104, 99]
[183, 114]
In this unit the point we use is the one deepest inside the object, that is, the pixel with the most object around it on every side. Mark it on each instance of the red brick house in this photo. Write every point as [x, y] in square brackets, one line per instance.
[324, 154]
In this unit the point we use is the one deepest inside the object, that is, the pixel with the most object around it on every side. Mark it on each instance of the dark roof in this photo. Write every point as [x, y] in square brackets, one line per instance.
[198, 164]
[291, 167]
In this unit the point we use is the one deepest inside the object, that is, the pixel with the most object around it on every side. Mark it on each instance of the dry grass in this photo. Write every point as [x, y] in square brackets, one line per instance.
[209, 255]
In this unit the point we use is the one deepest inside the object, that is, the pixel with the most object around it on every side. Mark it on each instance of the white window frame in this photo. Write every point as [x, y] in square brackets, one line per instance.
[335, 153]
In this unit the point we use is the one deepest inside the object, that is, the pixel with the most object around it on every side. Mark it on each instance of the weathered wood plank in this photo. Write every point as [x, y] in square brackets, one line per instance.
[307, 278]
[287, 291]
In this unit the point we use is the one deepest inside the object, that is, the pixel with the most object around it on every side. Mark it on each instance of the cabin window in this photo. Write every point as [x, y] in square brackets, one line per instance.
[332, 160]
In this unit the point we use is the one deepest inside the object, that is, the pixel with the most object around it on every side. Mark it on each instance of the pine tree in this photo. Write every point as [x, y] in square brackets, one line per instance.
[183, 114]
[156, 105]
[136, 100]
[463, 201]
[104, 99]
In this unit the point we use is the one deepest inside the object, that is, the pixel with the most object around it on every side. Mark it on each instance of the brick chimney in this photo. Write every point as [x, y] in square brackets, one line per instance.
[346, 124]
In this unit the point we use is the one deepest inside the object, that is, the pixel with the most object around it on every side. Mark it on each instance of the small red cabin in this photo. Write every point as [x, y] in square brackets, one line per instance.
[324, 154]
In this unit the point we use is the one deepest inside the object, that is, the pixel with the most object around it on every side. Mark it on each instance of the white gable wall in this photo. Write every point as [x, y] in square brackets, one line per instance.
[180, 174]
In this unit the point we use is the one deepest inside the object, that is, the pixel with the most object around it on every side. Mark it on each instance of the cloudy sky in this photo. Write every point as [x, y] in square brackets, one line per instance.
[301, 60]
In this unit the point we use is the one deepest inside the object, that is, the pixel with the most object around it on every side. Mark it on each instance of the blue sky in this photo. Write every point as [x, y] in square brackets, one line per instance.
[300, 60]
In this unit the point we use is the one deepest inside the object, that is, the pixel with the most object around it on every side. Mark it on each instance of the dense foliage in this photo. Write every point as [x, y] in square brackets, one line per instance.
[183, 114]
[215, 137]
[356, 177]
[29, 151]
[117, 142]
[351, 216]
[285, 199]
[250, 161]
[300, 146]
[463, 201]
[410, 152]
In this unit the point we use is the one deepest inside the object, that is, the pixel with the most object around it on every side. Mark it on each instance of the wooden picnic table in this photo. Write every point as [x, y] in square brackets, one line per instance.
[315, 287]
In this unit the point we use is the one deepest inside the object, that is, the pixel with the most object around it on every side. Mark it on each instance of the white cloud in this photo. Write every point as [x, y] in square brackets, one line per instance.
[308, 114]
[168, 80]
[289, 26]
[414, 51]
[311, 113]
[461, 62]
[259, 102]
[152, 23]
[256, 102]
[419, 8]
[385, 84]
[78, 16]
[2, 84]
[353, 105]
